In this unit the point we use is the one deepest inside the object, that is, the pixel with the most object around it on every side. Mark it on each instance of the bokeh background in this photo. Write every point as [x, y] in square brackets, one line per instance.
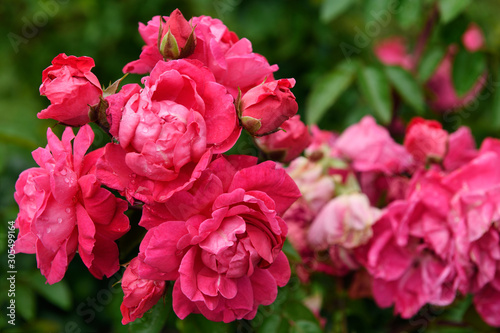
[326, 45]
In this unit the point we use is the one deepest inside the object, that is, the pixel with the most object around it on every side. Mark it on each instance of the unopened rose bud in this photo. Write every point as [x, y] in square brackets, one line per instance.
[176, 38]
[288, 143]
[265, 107]
[473, 38]
[426, 140]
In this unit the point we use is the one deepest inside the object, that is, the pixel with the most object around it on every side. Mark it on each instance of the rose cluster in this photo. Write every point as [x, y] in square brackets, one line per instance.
[214, 222]
[422, 218]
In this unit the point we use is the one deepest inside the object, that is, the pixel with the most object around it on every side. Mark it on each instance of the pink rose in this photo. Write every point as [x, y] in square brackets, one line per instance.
[346, 221]
[169, 131]
[71, 89]
[230, 59]
[369, 147]
[62, 209]
[473, 38]
[221, 240]
[287, 144]
[461, 149]
[116, 104]
[321, 142]
[140, 295]
[393, 52]
[487, 303]
[265, 107]
[426, 140]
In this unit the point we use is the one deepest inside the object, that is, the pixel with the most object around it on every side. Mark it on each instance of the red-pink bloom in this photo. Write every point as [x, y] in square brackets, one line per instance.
[62, 209]
[461, 149]
[116, 104]
[287, 144]
[369, 147]
[71, 88]
[265, 107]
[473, 38]
[393, 52]
[229, 58]
[410, 253]
[426, 140]
[140, 295]
[221, 240]
[487, 301]
[168, 132]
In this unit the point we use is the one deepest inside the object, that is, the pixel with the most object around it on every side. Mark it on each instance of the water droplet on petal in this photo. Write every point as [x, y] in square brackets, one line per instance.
[63, 172]
[59, 220]
[49, 230]
[66, 180]
[145, 129]
[68, 210]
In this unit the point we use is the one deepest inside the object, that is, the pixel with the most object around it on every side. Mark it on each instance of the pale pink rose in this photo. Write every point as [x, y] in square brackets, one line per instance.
[473, 38]
[229, 58]
[169, 131]
[63, 209]
[426, 140]
[369, 147]
[345, 221]
[221, 240]
[461, 149]
[321, 142]
[392, 51]
[71, 88]
[287, 144]
[140, 295]
[265, 107]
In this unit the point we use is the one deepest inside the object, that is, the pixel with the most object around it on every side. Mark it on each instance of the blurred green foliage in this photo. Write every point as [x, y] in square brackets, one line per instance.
[338, 82]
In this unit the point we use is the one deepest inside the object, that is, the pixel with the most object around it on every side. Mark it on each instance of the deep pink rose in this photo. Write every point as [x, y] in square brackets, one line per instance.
[62, 209]
[473, 38]
[410, 253]
[287, 144]
[461, 149]
[140, 295]
[71, 88]
[265, 107]
[116, 104]
[229, 58]
[393, 52]
[487, 302]
[426, 140]
[369, 147]
[221, 240]
[168, 131]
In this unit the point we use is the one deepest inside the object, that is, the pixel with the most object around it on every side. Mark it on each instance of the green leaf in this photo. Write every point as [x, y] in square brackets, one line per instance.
[328, 89]
[290, 252]
[270, 324]
[152, 321]
[376, 90]
[407, 87]
[430, 60]
[25, 301]
[409, 13]
[302, 326]
[58, 293]
[196, 323]
[331, 9]
[296, 311]
[451, 8]
[467, 68]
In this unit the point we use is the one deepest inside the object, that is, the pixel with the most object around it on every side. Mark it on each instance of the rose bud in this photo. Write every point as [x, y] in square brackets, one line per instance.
[140, 295]
[71, 88]
[265, 107]
[176, 38]
[473, 38]
[426, 140]
[287, 144]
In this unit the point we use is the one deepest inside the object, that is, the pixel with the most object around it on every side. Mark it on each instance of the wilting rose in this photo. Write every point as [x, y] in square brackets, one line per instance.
[62, 209]
[426, 140]
[168, 132]
[288, 143]
[221, 240]
[71, 88]
[265, 107]
[140, 295]
[229, 58]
